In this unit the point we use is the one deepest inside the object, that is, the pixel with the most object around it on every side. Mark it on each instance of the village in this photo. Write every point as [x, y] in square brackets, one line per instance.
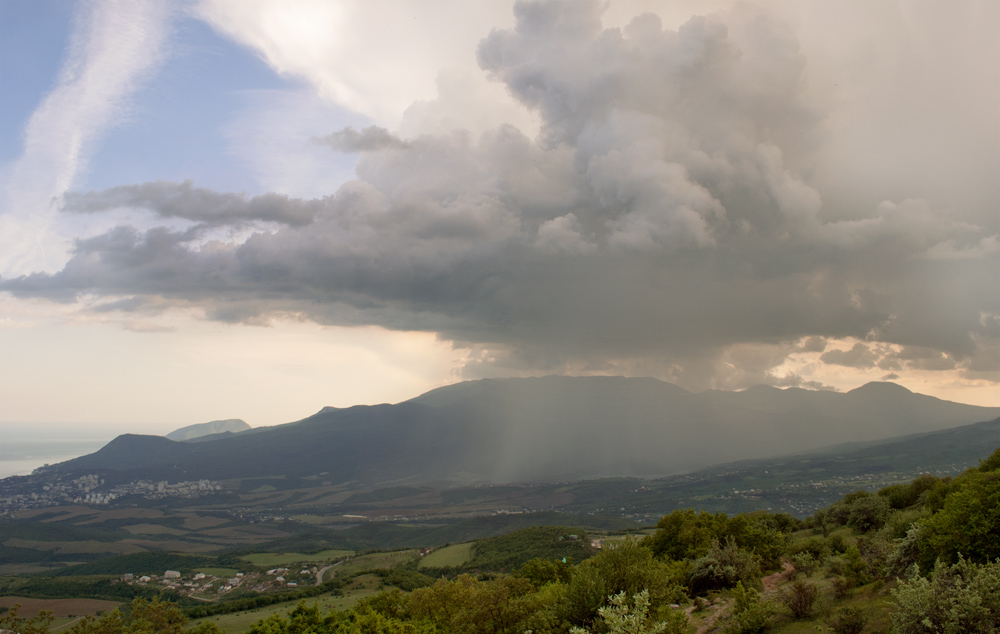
[30, 492]
[205, 586]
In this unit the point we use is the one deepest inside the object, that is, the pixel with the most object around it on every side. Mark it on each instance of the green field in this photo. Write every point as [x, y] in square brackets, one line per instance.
[272, 560]
[454, 555]
[224, 573]
[375, 560]
[239, 622]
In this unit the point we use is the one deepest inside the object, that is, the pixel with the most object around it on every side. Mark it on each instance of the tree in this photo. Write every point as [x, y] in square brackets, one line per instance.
[686, 534]
[968, 522]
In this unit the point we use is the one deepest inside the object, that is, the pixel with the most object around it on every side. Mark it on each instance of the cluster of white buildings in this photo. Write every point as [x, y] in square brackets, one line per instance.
[56, 489]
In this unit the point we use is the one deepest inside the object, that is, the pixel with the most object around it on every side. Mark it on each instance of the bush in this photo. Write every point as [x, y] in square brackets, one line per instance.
[805, 563]
[876, 552]
[817, 547]
[725, 567]
[618, 617]
[960, 598]
[750, 614]
[849, 620]
[842, 587]
[905, 553]
[626, 567]
[856, 567]
[838, 543]
[800, 599]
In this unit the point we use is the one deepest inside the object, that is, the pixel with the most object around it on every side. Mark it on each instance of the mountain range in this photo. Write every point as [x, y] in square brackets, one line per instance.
[539, 430]
[192, 432]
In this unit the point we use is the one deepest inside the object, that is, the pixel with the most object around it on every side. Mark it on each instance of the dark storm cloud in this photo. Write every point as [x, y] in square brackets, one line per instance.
[661, 216]
[370, 139]
[184, 200]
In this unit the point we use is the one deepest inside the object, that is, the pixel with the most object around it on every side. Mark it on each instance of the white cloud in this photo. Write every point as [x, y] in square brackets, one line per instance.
[115, 45]
[376, 58]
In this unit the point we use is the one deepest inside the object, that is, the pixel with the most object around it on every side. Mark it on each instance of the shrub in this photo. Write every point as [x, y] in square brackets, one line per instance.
[724, 567]
[627, 567]
[842, 587]
[805, 563]
[800, 599]
[905, 553]
[750, 614]
[838, 543]
[875, 551]
[856, 567]
[849, 620]
[618, 617]
[817, 547]
[960, 598]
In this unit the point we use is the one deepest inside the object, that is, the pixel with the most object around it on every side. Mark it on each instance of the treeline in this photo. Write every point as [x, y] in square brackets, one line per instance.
[74, 588]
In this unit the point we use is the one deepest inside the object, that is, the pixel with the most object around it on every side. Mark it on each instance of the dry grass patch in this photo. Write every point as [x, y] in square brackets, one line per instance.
[83, 547]
[172, 545]
[62, 608]
[58, 513]
[335, 498]
[124, 514]
[153, 529]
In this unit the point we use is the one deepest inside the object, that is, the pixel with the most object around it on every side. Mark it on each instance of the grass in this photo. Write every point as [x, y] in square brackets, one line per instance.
[22, 569]
[375, 560]
[454, 555]
[62, 608]
[82, 547]
[222, 573]
[274, 560]
[199, 522]
[877, 604]
[153, 529]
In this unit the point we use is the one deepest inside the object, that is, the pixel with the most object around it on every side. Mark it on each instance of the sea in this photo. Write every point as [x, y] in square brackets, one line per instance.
[26, 446]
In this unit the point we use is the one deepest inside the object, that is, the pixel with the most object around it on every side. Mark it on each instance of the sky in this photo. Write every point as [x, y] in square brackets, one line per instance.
[256, 208]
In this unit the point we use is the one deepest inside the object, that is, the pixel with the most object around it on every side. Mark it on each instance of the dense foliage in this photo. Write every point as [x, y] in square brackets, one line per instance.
[962, 598]
[509, 552]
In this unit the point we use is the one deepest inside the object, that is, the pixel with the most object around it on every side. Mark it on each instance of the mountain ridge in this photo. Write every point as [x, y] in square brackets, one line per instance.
[543, 429]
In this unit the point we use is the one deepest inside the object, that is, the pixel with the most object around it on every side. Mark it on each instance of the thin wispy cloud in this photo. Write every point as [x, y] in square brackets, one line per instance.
[116, 44]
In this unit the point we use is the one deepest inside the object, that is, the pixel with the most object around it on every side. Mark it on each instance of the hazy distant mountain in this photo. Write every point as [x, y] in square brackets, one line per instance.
[542, 429]
[232, 425]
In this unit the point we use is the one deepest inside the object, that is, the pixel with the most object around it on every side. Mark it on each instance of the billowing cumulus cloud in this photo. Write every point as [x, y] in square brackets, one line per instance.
[663, 221]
